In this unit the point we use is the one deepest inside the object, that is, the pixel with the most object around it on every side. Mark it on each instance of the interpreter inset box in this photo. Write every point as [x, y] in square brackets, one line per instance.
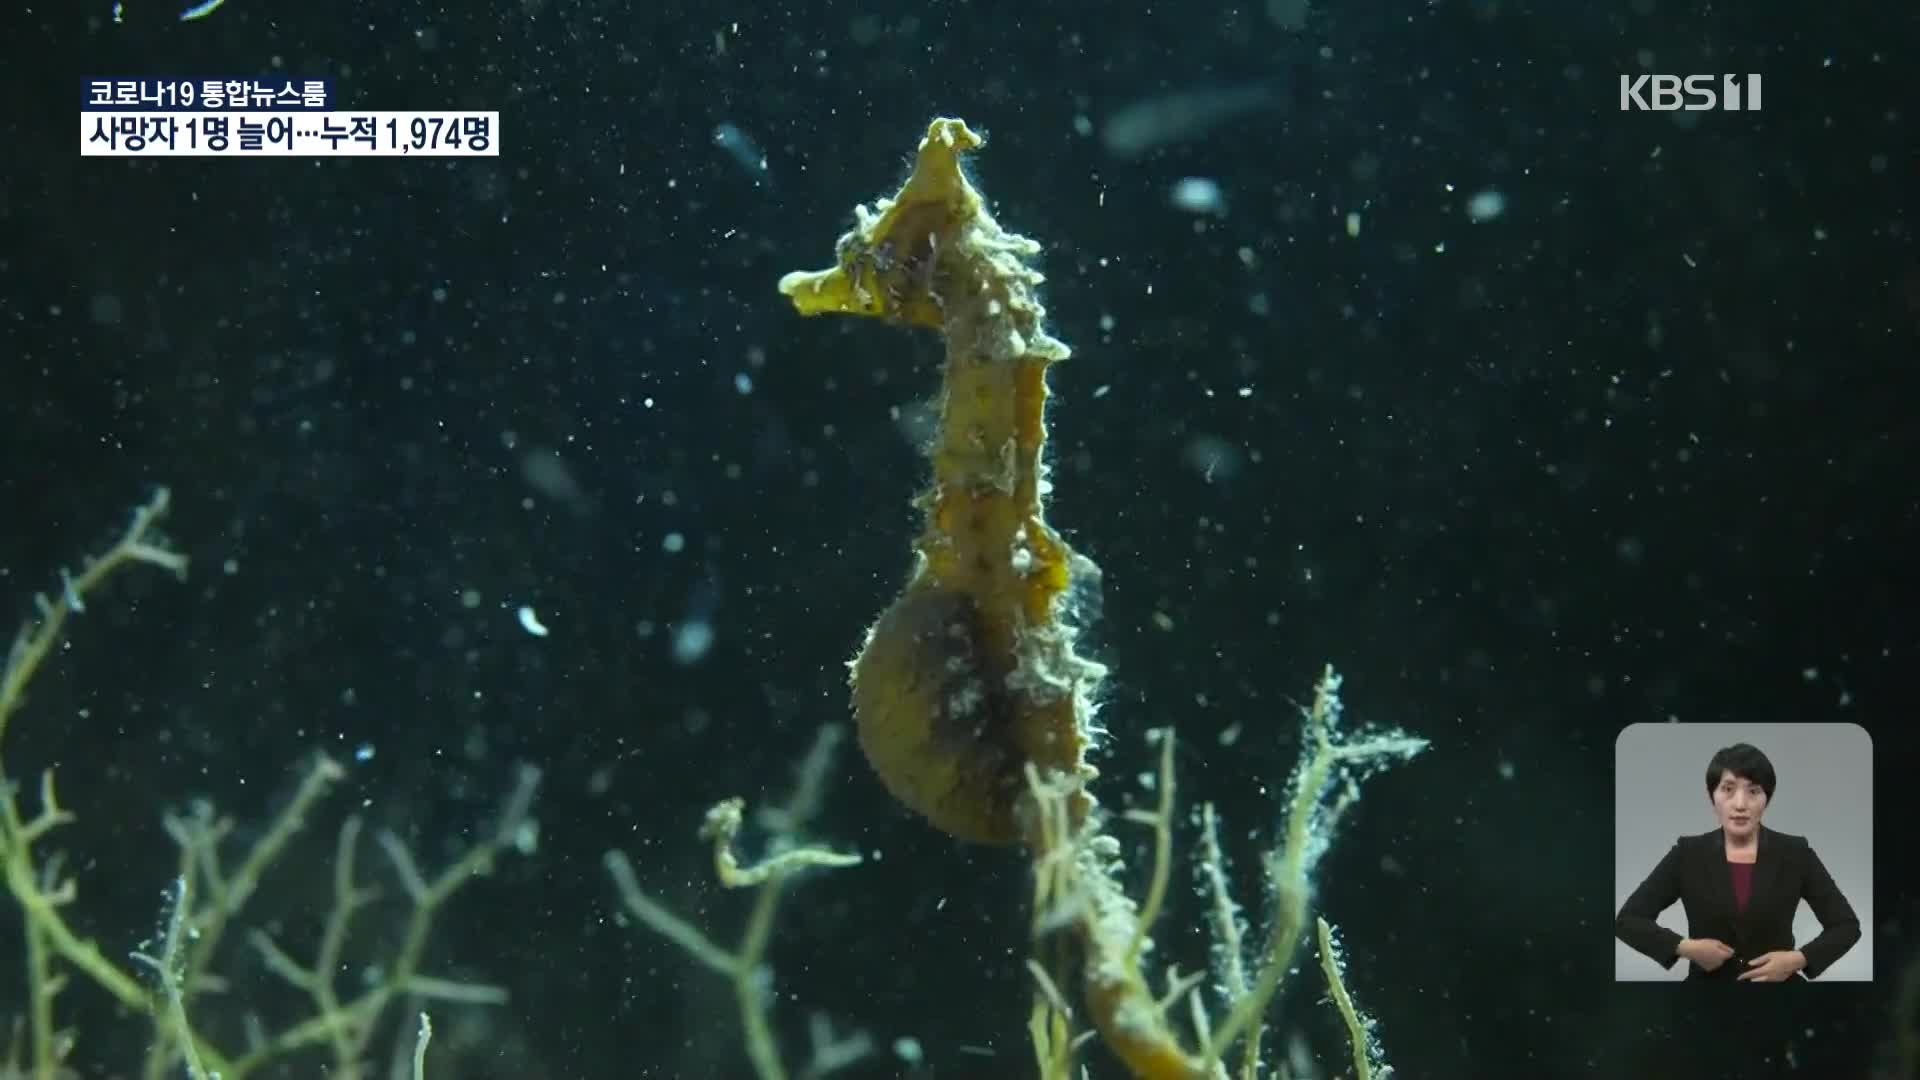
[1743, 853]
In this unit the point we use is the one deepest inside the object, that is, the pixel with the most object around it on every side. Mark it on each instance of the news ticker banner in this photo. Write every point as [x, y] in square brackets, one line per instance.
[271, 117]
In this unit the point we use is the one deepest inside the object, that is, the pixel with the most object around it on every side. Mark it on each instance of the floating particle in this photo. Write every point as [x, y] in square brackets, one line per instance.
[531, 623]
[363, 752]
[200, 10]
[526, 838]
[1353, 225]
[739, 146]
[1486, 206]
[691, 641]
[546, 471]
[1199, 195]
[1212, 457]
[1149, 123]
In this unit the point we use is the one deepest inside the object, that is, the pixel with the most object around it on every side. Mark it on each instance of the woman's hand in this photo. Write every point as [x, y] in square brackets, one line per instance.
[1774, 966]
[1707, 953]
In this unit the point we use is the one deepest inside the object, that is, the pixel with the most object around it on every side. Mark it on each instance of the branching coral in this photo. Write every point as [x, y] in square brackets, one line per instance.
[1078, 889]
[209, 893]
[744, 966]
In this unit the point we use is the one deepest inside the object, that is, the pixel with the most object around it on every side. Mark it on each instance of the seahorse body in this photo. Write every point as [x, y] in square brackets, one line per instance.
[971, 674]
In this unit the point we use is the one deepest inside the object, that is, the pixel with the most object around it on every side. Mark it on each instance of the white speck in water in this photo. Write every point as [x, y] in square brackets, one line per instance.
[739, 146]
[1199, 195]
[531, 623]
[526, 838]
[691, 641]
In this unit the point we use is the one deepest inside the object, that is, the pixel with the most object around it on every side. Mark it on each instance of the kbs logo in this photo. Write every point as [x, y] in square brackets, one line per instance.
[1694, 93]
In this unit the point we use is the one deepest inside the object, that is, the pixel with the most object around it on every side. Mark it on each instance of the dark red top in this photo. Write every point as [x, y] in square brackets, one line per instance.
[1742, 883]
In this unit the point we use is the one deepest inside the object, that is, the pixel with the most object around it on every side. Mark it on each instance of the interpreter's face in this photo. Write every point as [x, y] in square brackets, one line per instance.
[1739, 802]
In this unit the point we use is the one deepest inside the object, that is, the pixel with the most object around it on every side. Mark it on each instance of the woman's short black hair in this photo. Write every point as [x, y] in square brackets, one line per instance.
[1743, 760]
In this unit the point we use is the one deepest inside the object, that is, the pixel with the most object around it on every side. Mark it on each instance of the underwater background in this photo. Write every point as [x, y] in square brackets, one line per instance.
[1398, 346]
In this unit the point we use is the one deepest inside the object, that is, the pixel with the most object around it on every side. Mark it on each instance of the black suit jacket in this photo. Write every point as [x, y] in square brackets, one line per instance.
[1695, 873]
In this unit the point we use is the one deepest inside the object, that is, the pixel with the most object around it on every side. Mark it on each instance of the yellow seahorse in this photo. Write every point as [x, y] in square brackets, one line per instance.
[971, 674]
[970, 701]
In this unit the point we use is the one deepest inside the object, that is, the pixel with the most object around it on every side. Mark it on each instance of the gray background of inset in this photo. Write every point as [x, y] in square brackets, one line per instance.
[1824, 793]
